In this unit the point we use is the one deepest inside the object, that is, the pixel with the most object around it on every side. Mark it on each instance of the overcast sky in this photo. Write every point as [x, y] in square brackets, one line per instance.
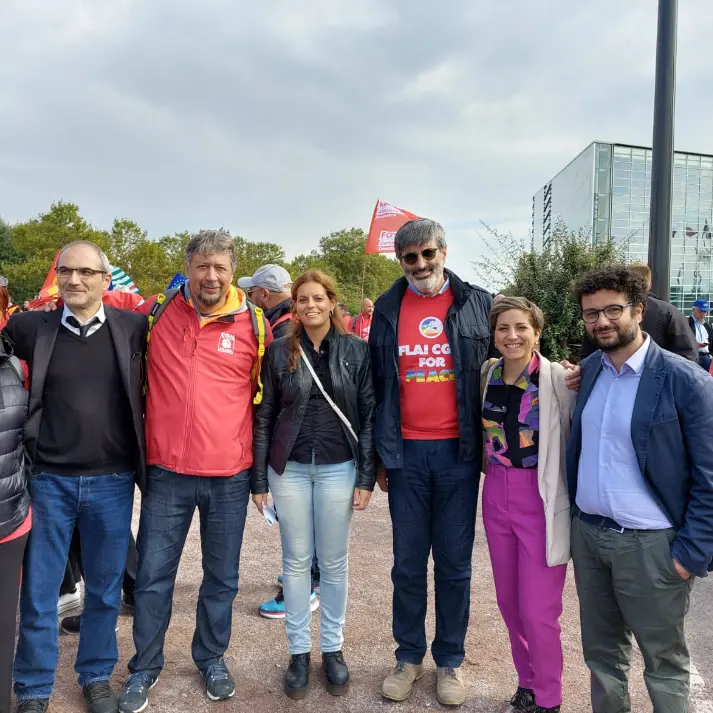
[284, 120]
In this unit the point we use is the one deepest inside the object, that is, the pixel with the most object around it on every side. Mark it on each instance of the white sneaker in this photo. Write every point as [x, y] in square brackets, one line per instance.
[67, 602]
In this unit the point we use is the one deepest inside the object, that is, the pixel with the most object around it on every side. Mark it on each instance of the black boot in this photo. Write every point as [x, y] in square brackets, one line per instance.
[297, 677]
[337, 673]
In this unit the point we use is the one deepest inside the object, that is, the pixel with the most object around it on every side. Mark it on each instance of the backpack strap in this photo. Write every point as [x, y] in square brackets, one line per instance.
[257, 317]
[157, 309]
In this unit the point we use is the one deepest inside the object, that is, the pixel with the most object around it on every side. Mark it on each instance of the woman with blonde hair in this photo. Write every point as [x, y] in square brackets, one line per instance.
[313, 448]
[526, 419]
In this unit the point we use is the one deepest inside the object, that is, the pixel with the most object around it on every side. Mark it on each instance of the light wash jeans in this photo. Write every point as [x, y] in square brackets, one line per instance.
[315, 506]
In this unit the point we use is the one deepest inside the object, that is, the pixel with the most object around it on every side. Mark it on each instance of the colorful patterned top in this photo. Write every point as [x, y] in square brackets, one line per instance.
[511, 417]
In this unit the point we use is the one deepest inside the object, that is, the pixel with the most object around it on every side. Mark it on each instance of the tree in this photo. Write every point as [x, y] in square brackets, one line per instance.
[546, 278]
[341, 255]
[8, 252]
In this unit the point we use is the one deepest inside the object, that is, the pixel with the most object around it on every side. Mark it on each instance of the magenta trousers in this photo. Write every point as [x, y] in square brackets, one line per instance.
[529, 592]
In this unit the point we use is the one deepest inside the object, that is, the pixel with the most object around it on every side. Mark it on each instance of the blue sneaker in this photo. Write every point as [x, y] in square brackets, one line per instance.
[275, 608]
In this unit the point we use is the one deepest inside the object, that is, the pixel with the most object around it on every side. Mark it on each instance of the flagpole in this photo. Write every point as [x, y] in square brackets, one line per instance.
[662, 150]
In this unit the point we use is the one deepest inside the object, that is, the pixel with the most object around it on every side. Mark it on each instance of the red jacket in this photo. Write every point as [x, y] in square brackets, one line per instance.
[199, 412]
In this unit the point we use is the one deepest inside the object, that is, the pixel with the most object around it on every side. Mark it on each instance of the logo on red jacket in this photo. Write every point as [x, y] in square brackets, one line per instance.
[226, 343]
[431, 327]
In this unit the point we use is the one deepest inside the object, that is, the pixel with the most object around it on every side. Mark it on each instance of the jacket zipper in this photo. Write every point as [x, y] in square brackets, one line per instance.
[189, 404]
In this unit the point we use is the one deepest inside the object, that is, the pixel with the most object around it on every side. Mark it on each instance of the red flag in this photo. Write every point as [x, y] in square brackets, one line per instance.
[49, 291]
[387, 219]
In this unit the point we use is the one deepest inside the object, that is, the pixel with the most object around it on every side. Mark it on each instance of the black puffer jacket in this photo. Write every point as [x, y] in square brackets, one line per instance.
[279, 417]
[14, 495]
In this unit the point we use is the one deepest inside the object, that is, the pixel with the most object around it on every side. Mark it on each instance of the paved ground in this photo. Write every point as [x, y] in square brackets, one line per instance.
[258, 654]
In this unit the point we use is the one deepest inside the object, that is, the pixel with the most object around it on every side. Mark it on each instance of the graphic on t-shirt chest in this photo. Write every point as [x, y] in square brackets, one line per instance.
[428, 359]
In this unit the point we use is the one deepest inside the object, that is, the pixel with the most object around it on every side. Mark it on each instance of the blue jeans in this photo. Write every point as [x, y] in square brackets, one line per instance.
[315, 503]
[433, 500]
[101, 506]
[166, 514]
[704, 360]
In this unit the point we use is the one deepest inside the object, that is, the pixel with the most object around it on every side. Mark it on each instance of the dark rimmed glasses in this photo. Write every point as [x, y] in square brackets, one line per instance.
[611, 312]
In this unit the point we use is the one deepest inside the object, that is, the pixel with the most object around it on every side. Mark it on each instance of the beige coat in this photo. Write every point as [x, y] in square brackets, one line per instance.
[556, 406]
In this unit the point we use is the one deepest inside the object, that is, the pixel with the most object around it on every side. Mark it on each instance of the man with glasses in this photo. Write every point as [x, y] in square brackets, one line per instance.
[85, 438]
[641, 484]
[428, 340]
[270, 289]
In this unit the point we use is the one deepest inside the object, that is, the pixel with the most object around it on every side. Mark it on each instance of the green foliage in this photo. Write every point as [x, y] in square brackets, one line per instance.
[546, 278]
[28, 249]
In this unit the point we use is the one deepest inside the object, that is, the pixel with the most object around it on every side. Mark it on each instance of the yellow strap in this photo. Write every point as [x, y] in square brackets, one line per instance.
[260, 353]
[160, 299]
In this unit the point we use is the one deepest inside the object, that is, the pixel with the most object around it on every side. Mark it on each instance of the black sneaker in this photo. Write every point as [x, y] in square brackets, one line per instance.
[99, 698]
[523, 700]
[71, 624]
[297, 677]
[219, 684]
[33, 705]
[337, 673]
[540, 709]
[135, 696]
[129, 601]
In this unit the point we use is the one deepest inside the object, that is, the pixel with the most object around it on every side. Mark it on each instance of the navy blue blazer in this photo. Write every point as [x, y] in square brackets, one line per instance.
[672, 433]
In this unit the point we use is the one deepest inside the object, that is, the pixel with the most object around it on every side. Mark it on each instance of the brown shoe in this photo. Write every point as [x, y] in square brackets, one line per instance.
[450, 690]
[398, 684]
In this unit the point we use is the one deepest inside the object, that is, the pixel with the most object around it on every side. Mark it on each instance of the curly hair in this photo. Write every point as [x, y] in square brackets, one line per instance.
[616, 278]
[330, 287]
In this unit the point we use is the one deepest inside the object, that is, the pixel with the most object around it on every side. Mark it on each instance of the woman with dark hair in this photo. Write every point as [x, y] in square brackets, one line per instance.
[526, 421]
[313, 448]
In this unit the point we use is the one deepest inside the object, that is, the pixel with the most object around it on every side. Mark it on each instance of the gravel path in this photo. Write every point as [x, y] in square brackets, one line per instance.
[258, 654]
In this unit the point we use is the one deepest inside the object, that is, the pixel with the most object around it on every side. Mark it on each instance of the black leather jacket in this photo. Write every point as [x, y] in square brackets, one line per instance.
[285, 396]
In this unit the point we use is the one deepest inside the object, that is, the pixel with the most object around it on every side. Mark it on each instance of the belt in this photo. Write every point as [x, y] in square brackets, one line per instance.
[605, 522]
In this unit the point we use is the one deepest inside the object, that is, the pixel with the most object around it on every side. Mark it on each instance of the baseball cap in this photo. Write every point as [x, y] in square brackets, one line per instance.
[702, 305]
[270, 277]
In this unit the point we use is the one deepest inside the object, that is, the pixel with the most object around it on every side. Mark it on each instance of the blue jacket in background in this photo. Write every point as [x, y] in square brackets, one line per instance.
[468, 329]
[671, 430]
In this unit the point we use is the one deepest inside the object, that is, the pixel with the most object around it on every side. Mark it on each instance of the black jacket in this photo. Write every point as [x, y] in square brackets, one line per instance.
[33, 334]
[666, 326]
[278, 311]
[14, 495]
[278, 419]
[707, 327]
[468, 330]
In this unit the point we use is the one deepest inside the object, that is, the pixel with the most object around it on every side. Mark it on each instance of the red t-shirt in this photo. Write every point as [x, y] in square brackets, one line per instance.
[362, 325]
[429, 410]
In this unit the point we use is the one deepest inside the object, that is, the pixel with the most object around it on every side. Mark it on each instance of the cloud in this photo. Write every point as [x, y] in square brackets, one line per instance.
[284, 121]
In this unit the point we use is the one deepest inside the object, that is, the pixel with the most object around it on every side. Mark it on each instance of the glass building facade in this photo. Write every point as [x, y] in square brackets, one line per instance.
[606, 192]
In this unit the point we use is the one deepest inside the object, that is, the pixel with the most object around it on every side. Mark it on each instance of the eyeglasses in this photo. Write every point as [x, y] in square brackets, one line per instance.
[85, 273]
[412, 258]
[612, 312]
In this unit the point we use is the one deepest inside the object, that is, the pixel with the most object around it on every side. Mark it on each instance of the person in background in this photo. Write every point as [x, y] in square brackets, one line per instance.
[346, 318]
[428, 341]
[526, 416]
[702, 332]
[362, 323]
[270, 289]
[664, 323]
[202, 368]
[640, 482]
[5, 302]
[85, 437]
[313, 446]
[15, 511]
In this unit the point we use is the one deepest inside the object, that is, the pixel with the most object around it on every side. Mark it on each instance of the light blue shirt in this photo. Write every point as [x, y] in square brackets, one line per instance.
[610, 481]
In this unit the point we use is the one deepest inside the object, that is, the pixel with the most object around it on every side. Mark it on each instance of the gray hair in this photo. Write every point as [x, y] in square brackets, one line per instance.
[106, 265]
[211, 241]
[418, 232]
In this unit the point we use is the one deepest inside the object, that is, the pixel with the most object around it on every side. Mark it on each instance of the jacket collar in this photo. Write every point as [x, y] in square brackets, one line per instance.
[279, 310]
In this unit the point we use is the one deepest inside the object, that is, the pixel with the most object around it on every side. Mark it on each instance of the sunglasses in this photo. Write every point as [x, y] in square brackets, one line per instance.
[412, 258]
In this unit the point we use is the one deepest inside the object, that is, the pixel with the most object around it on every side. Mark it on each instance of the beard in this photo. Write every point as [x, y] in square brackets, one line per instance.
[426, 283]
[614, 338]
[206, 298]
